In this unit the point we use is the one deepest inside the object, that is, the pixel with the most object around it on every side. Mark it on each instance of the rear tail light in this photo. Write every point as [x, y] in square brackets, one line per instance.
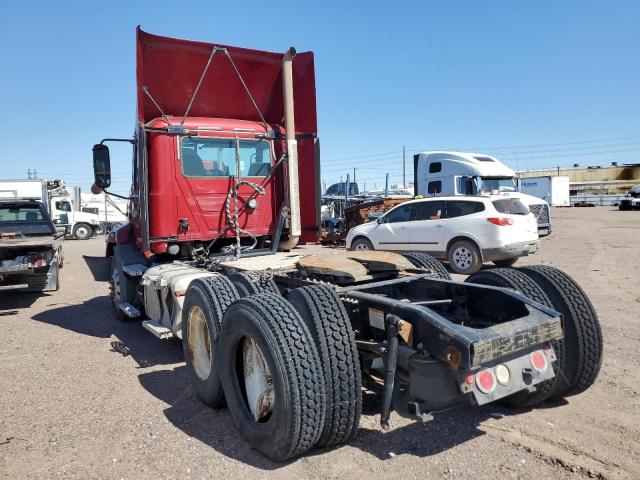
[501, 221]
[486, 381]
[37, 261]
[539, 361]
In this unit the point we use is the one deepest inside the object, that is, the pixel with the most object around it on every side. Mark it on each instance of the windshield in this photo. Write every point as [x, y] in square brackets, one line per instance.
[25, 220]
[216, 157]
[502, 184]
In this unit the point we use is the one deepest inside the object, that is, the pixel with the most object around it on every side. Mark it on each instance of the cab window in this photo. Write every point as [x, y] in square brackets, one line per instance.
[216, 157]
[430, 210]
[63, 206]
[465, 185]
[435, 167]
[434, 187]
[462, 208]
[403, 213]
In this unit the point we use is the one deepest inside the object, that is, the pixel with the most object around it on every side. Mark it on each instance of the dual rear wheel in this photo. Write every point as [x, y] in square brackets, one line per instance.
[579, 353]
[288, 369]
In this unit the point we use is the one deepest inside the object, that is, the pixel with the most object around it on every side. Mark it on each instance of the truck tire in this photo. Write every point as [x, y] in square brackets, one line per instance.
[518, 281]
[82, 231]
[325, 315]
[507, 262]
[204, 305]
[361, 243]
[582, 333]
[464, 257]
[423, 260]
[269, 326]
[121, 289]
[56, 277]
[252, 283]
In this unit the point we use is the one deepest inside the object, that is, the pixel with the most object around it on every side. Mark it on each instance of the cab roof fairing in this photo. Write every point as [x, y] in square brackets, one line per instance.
[170, 69]
[468, 164]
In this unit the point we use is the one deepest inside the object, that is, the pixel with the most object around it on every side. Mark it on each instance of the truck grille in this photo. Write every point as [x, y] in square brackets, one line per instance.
[541, 212]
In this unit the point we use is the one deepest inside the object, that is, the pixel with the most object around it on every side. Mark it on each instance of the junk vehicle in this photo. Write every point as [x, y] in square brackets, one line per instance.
[631, 200]
[30, 247]
[458, 173]
[225, 185]
[60, 206]
[553, 189]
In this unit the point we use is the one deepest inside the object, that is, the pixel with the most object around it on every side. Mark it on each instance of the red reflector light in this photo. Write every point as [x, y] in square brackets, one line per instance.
[538, 361]
[501, 221]
[486, 381]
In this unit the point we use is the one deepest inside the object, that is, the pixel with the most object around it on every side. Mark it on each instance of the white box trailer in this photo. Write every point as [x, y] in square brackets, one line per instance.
[31, 189]
[554, 189]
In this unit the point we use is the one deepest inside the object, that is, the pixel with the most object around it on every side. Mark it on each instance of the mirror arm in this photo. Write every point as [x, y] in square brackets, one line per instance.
[132, 141]
[116, 195]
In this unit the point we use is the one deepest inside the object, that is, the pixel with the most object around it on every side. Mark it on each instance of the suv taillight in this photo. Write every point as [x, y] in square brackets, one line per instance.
[501, 221]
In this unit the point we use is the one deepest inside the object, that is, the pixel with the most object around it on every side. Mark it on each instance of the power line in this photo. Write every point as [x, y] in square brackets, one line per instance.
[363, 156]
[520, 147]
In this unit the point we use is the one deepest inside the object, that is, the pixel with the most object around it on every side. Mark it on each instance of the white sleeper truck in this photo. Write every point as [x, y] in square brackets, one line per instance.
[82, 225]
[457, 173]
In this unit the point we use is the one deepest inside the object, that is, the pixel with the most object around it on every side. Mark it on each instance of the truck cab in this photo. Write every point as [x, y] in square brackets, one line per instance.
[82, 225]
[440, 173]
[220, 166]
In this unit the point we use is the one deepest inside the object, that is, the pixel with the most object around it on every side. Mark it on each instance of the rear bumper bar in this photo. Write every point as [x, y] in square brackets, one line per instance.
[466, 347]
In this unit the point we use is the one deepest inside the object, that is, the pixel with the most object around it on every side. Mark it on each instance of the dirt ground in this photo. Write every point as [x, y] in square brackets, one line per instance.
[83, 395]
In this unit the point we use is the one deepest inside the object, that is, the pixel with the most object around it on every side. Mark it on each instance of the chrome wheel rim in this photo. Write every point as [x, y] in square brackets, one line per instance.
[82, 232]
[258, 383]
[462, 258]
[199, 342]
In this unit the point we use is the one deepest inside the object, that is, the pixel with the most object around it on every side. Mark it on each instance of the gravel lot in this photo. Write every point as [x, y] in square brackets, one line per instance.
[84, 395]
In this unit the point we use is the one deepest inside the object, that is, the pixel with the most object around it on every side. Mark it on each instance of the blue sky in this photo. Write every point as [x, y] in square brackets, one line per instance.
[537, 84]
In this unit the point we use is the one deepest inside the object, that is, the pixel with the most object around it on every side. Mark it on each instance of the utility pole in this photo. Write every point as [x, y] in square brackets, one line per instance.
[386, 184]
[346, 193]
[29, 173]
[404, 166]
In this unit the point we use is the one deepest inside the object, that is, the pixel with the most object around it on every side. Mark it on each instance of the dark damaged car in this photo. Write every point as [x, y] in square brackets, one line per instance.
[30, 248]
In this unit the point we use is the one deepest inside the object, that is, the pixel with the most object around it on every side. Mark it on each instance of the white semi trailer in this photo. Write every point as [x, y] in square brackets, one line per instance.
[82, 225]
[440, 173]
[553, 189]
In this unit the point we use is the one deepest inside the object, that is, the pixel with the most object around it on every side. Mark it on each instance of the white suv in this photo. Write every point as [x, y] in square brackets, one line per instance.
[463, 231]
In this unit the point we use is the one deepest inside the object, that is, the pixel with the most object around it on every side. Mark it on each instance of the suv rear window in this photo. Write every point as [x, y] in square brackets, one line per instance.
[511, 206]
[461, 208]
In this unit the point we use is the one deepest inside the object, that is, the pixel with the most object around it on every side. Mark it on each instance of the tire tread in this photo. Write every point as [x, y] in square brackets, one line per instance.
[325, 315]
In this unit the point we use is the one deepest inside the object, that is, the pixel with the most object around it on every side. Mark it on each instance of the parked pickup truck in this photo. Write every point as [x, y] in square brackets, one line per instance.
[30, 247]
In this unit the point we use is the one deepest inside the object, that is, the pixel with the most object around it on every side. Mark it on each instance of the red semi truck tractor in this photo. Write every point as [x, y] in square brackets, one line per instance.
[226, 187]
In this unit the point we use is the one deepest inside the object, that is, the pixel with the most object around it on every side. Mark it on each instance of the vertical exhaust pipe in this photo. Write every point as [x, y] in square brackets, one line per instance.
[295, 224]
